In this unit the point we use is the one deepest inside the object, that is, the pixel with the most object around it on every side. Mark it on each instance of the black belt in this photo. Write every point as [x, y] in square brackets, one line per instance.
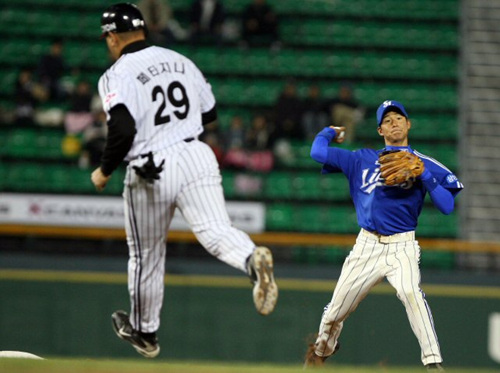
[189, 139]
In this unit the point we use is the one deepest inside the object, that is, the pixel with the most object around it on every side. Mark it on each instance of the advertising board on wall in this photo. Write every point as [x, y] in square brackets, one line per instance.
[104, 212]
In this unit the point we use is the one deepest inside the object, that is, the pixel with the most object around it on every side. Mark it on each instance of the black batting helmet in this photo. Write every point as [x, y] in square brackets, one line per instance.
[122, 17]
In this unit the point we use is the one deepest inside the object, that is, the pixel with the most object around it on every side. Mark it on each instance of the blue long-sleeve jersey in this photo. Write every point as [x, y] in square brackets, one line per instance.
[380, 208]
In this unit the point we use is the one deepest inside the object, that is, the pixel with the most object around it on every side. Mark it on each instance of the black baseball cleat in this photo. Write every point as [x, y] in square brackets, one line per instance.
[147, 346]
[260, 270]
[434, 367]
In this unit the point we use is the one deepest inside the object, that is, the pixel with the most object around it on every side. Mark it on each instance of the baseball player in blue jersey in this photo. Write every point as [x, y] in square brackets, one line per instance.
[386, 245]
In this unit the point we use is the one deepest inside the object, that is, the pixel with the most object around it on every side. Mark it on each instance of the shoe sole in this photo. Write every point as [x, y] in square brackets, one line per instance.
[127, 338]
[265, 291]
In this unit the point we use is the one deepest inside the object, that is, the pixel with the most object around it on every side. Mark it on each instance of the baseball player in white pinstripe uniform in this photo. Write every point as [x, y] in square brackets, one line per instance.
[156, 102]
[386, 245]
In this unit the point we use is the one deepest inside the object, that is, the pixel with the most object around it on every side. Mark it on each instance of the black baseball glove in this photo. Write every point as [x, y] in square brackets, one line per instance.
[149, 171]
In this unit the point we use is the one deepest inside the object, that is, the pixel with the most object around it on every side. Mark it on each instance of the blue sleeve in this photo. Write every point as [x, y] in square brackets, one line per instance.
[440, 174]
[441, 197]
[332, 159]
[319, 149]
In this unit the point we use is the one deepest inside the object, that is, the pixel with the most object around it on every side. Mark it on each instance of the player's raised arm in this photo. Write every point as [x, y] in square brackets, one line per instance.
[333, 159]
[319, 149]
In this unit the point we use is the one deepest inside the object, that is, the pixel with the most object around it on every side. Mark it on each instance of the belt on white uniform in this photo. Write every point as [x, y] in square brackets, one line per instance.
[144, 155]
[397, 237]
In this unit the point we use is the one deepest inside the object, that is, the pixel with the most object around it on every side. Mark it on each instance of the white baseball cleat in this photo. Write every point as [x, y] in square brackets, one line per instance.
[260, 270]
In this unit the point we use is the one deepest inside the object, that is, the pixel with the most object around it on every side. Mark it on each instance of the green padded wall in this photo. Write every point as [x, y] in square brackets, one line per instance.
[218, 322]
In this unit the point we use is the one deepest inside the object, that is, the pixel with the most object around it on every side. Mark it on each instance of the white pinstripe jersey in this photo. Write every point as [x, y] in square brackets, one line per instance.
[164, 92]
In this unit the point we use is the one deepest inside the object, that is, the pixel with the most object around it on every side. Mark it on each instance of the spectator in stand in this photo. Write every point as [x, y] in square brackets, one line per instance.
[50, 69]
[207, 19]
[288, 112]
[249, 149]
[235, 136]
[259, 135]
[287, 115]
[235, 156]
[346, 111]
[79, 115]
[260, 25]
[93, 141]
[259, 144]
[163, 28]
[28, 93]
[212, 137]
[69, 81]
[315, 115]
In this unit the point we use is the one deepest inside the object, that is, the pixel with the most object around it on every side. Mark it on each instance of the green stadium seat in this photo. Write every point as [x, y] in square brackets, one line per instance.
[182, 5]
[79, 180]
[397, 33]
[49, 144]
[340, 219]
[279, 217]
[96, 6]
[26, 177]
[249, 185]
[228, 184]
[4, 172]
[21, 143]
[444, 153]
[20, 52]
[8, 80]
[412, 9]
[59, 179]
[278, 185]
[290, 62]
[334, 187]
[309, 218]
[432, 223]
[115, 185]
[225, 115]
[314, 63]
[301, 156]
[434, 127]
[305, 186]
[263, 93]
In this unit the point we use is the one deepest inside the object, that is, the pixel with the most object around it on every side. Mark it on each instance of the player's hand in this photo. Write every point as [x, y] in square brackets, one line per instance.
[339, 134]
[99, 179]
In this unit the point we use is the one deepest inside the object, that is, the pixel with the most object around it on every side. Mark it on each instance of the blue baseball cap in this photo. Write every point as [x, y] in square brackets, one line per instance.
[390, 105]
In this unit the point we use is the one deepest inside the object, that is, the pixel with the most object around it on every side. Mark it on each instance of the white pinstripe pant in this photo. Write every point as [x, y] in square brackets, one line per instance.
[190, 181]
[367, 264]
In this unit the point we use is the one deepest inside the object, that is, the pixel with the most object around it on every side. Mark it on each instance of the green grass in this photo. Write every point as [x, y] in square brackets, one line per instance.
[157, 366]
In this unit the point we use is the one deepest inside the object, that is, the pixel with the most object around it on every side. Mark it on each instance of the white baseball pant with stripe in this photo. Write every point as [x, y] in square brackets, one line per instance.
[372, 258]
[191, 182]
